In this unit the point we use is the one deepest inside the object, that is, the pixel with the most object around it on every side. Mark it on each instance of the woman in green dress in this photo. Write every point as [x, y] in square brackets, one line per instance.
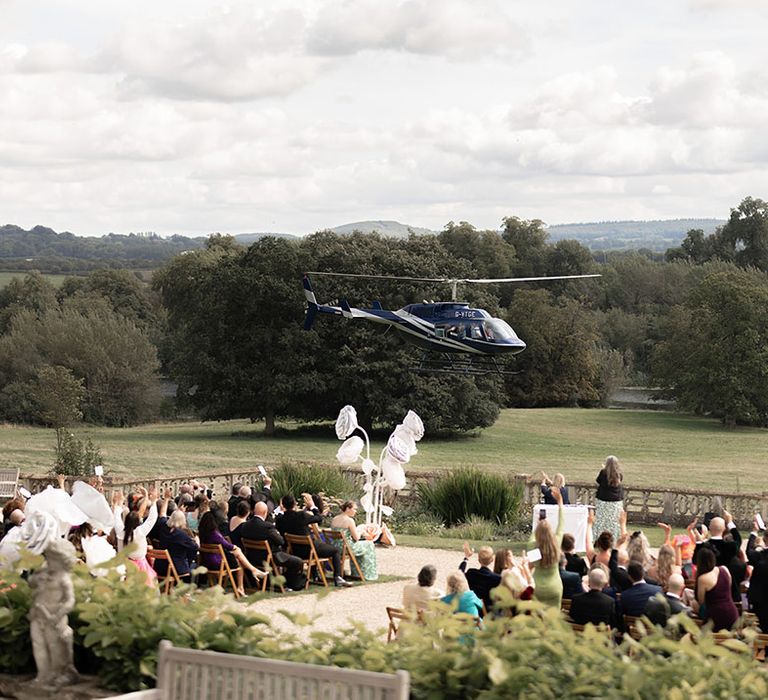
[364, 550]
[549, 587]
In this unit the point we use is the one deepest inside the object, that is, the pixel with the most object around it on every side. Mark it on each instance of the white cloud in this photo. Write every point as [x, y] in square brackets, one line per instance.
[436, 27]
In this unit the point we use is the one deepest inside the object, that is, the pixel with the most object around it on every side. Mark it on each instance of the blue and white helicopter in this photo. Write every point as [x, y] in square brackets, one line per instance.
[454, 336]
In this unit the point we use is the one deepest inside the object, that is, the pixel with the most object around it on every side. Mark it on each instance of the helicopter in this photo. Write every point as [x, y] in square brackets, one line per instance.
[454, 336]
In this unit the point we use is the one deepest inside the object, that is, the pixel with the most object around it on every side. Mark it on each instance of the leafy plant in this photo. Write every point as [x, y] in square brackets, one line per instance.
[297, 478]
[414, 522]
[466, 492]
[75, 457]
[475, 528]
[15, 644]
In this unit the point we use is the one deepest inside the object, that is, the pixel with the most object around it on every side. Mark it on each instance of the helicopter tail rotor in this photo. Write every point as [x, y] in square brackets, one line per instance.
[312, 305]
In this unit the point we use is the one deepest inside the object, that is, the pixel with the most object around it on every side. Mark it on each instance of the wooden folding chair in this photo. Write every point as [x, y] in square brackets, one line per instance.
[631, 627]
[396, 616]
[760, 647]
[346, 552]
[264, 553]
[312, 560]
[9, 482]
[171, 577]
[565, 606]
[224, 572]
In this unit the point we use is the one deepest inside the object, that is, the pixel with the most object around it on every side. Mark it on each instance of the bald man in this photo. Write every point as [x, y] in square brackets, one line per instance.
[259, 529]
[725, 541]
[594, 606]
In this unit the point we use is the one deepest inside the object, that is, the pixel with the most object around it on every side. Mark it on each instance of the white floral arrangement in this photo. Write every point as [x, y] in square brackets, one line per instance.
[398, 451]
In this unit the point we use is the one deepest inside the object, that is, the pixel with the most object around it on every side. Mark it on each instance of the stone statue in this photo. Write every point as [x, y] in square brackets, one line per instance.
[53, 597]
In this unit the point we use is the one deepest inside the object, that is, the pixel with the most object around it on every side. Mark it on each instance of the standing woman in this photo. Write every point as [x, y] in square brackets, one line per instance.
[546, 575]
[610, 498]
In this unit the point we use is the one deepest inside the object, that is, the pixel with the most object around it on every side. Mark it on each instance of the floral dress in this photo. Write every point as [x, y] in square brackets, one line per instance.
[365, 553]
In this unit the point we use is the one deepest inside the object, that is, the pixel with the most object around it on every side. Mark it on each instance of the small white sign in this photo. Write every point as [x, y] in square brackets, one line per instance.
[534, 555]
[261, 469]
[98, 470]
[759, 519]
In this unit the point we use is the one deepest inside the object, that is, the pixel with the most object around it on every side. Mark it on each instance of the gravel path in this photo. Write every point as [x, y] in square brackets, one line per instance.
[365, 603]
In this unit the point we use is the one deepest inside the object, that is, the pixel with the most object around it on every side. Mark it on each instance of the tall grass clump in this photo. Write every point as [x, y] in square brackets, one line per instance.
[297, 478]
[467, 492]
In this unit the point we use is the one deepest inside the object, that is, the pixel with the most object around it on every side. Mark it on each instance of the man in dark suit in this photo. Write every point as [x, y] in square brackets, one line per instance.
[725, 541]
[660, 608]
[572, 585]
[257, 528]
[617, 565]
[758, 582]
[635, 598]
[297, 522]
[594, 606]
[481, 580]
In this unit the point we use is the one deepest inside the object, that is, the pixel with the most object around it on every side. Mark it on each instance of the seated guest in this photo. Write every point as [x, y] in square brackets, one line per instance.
[234, 499]
[519, 579]
[757, 595]
[134, 530]
[11, 518]
[635, 598]
[258, 528]
[364, 550]
[575, 563]
[481, 580]
[639, 550]
[594, 606]
[243, 510]
[460, 597]
[558, 483]
[296, 522]
[210, 534]
[713, 590]
[419, 595]
[503, 559]
[196, 510]
[174, 536]
[571, 580]
[660, 608]
[617, 565]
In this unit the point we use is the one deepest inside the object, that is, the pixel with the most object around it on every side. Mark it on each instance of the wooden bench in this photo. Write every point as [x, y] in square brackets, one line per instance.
[190, 674]
[9, 482]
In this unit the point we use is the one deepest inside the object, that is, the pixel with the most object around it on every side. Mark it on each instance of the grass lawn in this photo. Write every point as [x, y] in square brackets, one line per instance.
[55, 279]
[655, 448]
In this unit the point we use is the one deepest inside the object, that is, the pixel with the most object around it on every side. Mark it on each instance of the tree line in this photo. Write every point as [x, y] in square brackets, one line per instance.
[225, 324]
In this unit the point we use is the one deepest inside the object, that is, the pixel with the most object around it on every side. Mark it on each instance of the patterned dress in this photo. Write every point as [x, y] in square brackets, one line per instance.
[365, 553]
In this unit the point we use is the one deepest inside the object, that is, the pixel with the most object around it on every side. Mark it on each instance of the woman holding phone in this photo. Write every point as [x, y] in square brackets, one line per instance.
[546, 575]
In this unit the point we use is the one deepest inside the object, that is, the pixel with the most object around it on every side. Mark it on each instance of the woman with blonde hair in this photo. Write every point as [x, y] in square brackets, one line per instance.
[546, 575]
[609, 501]
[460, 597]
[548, 485]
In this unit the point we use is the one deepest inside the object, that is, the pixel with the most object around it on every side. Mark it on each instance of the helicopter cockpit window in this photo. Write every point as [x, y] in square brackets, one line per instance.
[496, 329]
[455, 331]
[476, 331]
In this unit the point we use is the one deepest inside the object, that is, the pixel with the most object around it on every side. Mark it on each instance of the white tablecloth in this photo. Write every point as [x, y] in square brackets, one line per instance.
[575, 521]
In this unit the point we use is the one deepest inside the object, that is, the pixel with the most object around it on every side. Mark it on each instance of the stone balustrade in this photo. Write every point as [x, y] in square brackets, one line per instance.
[645, 505]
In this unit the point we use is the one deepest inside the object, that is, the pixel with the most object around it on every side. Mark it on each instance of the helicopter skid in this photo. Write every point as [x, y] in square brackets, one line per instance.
[466, 365]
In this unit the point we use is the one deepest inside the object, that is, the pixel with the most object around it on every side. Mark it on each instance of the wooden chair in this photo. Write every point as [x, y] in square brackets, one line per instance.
[760, 647]
[396, 616]
[346, 553]
[224, 572]
[9, 482]
[171, 577]
[565, 605]
[312, 560]
[631, 626]
[575, 626]
[264, 550]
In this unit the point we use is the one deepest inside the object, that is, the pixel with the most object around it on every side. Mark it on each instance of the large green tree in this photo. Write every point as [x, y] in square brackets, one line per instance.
[715, 357]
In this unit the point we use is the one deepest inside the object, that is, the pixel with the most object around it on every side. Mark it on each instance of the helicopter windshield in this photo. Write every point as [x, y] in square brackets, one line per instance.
[496, 329]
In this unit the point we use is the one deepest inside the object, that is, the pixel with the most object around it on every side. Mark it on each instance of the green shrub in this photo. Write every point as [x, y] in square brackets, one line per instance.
[534, 655]
[414, 522]
[298, 478]
[15, 645]
[75, 457]
[475, 528]
[465, 492]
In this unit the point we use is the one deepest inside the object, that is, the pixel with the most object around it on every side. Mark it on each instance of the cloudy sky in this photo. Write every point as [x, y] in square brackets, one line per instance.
[183, 116]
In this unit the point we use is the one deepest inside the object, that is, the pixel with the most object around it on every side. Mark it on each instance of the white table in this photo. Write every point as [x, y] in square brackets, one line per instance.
[575, 521]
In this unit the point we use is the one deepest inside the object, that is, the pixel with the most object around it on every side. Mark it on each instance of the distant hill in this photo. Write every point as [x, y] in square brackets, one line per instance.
[386, 228]
[632, 235]
[248, 238]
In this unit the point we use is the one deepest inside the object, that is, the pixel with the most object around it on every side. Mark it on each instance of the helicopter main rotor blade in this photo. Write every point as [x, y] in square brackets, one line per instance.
[381, 277]
[526, 279]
